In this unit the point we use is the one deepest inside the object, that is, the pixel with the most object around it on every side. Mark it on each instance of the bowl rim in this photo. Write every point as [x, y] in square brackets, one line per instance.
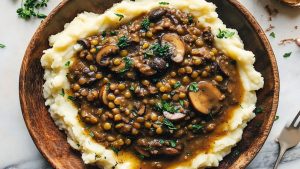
[249, 156]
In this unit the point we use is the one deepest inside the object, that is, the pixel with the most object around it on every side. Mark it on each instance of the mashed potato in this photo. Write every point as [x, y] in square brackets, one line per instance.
[86, 24]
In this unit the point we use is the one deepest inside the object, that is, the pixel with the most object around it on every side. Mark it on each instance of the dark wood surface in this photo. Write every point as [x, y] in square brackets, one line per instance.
[52, 143]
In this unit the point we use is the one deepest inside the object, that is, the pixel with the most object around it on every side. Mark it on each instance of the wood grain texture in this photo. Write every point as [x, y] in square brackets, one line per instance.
[52, 143]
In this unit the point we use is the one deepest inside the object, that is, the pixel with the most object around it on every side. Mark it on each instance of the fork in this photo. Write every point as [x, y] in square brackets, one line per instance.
[288, 138]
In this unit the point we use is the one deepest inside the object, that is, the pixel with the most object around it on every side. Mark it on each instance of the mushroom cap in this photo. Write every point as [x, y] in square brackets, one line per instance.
[177, 46]
[105, 52]
[207, 98]
[226, 65]
[174, 116]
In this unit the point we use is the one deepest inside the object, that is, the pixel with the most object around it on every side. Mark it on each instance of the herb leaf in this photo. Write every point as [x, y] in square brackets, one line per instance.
[145, 24]
[2, 45]
[272, 34]
[120, 16]
[128, 64]
[123, 42]
[177, 84]
[29, 9]
[62, 92]
[196, 127]
[92, 134]
[173, 143]
[115, 149]
[67, 63]
[164, 3]
[169, 124]
[193, 87]
[276, 118]
[258, 110]
[166, 106]
[72, 98]
[225, 34]
[286, 55]
[160, 50]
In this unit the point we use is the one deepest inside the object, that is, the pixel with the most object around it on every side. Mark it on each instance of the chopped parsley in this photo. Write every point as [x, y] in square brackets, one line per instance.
[62, 92]
[258, 110]
[225, 34]
[276, 118]
[120, 16]
[193, 87]
[272, 34]
[164, 3]
[160, 50]
[30, 8]
[68, 63]
[191, 19]
[72, 98]
[113, 33]
[145, 24]
[92, 134]
[181, 102]
[173, 143]
[196, 127]
[169, 124]
[286, 55]
[2, 45]
[161, 141]
[141, 156]
[123, 42]
[103, 34]
[166, 106]
[131, 88]
[115, 149]
[177, 84]
[128, 64]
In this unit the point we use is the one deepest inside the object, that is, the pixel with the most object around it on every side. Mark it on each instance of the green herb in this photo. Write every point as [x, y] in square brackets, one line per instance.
[2, 46]
[123, 42]
[115, 150]
[196, 127]
[92, 134]
[78, 145]
[113, 33]
[276, 118]
[177, 84]
[169, 124]
[164, 3]
[258, 110]
[120, 16]
[166, 106]
[128, 64]
[141, 156]
[272, 34]
[145, 24]
[191, 19]
[103, 33]
[225, 34]
[286, 55]
[72, 98]
[181, 102]
[193, 87]
[161, 141]
[30, 8]
[160, 50]
[131, 88]
[67, 63]
[173, 143]
[62, 92]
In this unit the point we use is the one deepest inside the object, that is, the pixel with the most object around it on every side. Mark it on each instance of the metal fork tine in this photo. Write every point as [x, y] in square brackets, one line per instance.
[295, 119]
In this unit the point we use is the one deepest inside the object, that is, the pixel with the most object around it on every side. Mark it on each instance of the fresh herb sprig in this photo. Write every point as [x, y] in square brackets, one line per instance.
[169, 124]
[193, 87]
[164, 3]
[225, 34]
[286, 55]
[128, 64]
[2, 45]
[120, 16]
[160, 50]
[30, 8]
[123, 42]
[145, 24]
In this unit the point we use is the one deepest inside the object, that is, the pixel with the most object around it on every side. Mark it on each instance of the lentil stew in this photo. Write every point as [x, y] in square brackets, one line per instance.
[156, 87]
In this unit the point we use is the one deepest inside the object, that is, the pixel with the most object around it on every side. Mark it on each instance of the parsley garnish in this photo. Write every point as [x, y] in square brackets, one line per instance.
[131, 88]
[196, 127]
[123, 42]
[258, 110]
[145, 24]
[177, 84]
[67, 63]
[128, 64]
[30, 9]
[276, 118]
[2, 46]
[181, 102]
[113, 33]
[92, 134]
[120, 16]
[169, 124]
[160, 50]
[141, 156]
[161, 141]
[286, 55]
[173, 143]
[72, 98]
[193, 87]
[272, 34]
[103, 33]
[166, 106]
[62, 92]
[115, 150]
[225, 34]
[164, 3]
[191, 19]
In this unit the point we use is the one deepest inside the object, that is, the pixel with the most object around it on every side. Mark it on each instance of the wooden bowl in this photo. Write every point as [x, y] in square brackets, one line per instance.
[52, 143]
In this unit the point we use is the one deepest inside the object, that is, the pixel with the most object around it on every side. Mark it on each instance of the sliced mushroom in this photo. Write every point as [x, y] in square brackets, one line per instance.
[158, 64]
[142, 110]
[102, 57]
[227, 65]
[207, 98]
[103, 94]
[156, 14]
[174, 116]
[84, 43]
[177, 46]
[144, 68]
[119, 68]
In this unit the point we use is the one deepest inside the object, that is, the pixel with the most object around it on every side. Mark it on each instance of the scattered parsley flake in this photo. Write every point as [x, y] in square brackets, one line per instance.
[131, 88]
[123, 42]
[160, 50]
[72, 98]
[272, 34]
[128, 64]
[113, 33]
[286, 55]
[169, 124]
[173, 143]
[177, 84]
[164, 3]
[161, 141]
[115, 150]
[181, 102]
[197, 127]
[141, 156]
[258, 110]
[62, 92]
[191, 19]
[276, 118]
[2, 45]
[120, 16]
[166, 106]
[193, 87]
[225, 34]
[145, 24]
[30, 8]
[103, 34]
[68, 63]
